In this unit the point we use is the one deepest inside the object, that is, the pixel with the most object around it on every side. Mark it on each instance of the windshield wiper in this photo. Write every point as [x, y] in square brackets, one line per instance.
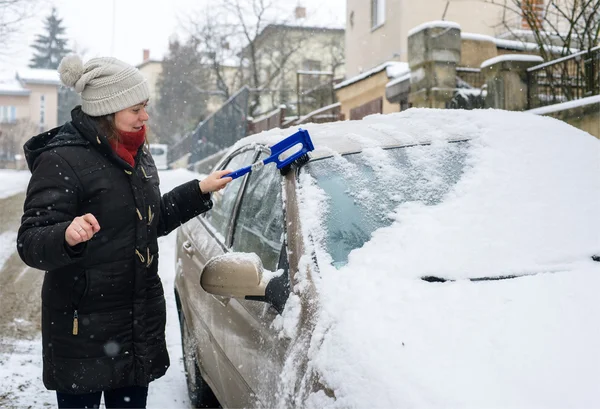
[436, 279]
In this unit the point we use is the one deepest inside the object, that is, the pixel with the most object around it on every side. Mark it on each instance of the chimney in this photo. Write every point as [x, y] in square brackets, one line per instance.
[300, 12]
[532, 13]
[146, 55]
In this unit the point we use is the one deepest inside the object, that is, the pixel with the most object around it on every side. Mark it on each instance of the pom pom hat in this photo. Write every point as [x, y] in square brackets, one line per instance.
[106, 85]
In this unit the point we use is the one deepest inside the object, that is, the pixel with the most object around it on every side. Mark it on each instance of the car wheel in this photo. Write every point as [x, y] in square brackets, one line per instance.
[201, 396]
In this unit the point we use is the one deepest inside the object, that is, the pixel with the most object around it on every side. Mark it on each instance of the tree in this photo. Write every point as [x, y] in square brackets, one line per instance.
[12, 15]
[50, 48]
[262, 42]
[182, 96]
[554, 25]
[559, 28]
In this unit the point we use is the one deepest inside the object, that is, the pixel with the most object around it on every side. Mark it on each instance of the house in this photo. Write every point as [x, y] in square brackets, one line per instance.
[151, 69]
[295, 63]
[382, 26]
[481, 31]
[28, 105]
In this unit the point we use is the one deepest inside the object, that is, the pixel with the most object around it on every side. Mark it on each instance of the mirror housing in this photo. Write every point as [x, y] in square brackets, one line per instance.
[234, 275]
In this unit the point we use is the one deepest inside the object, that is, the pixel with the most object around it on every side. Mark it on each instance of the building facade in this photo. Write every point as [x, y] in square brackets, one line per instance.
[377, 30]
[28, 105]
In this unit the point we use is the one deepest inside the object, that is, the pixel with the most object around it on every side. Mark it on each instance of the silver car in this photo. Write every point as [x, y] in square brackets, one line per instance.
[255, 273]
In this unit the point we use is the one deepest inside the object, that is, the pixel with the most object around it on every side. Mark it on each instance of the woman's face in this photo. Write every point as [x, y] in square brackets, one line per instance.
[133, 118]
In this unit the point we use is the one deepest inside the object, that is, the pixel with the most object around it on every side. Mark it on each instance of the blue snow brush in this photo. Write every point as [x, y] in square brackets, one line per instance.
[291, 142]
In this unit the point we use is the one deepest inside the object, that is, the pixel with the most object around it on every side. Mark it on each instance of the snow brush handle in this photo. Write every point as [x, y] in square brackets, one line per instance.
[238, 173]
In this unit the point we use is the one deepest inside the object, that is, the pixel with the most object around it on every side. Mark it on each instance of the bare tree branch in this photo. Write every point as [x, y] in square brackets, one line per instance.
[12, 14]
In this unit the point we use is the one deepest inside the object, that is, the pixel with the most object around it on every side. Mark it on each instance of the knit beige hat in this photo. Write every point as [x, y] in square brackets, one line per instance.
[106, 85]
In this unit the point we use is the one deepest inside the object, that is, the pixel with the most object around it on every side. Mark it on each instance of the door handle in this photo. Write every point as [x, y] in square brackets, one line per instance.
[188, 248]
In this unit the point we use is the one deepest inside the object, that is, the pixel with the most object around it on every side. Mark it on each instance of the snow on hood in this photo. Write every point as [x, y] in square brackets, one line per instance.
[527, 203]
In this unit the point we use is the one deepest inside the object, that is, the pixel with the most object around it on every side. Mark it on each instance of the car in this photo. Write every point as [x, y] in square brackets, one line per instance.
[159, 154]
[427, 258]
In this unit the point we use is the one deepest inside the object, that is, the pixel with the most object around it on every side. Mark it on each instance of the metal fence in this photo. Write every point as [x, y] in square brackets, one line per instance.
[565, 79]
[219, 131]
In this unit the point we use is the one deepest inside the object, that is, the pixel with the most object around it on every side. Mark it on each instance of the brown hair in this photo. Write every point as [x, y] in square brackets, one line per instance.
[106, 124]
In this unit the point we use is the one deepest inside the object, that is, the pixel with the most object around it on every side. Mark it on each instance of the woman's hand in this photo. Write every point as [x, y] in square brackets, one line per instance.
[215, 181]
[81, 229]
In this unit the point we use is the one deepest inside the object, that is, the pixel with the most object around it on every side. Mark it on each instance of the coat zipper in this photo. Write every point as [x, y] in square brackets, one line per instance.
[76, 306]
[75, 323]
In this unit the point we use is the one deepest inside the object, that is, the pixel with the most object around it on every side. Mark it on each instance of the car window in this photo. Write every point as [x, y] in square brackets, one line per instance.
[224, 200]
[364, 189]
[259, 225]
[156, 151]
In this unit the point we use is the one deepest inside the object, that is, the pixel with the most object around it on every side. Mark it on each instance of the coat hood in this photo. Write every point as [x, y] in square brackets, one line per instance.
[59, 136]
[80, 131]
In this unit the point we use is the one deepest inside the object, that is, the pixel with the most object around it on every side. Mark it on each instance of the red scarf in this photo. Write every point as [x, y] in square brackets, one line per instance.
[129, 145]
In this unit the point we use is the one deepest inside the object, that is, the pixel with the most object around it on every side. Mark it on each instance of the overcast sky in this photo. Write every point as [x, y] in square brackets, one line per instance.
[138, 25]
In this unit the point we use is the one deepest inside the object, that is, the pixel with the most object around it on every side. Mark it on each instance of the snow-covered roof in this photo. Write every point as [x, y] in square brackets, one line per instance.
[391, 67]
[595, 99]
[512, 44]
[395, 70]
[433, 24]
[12, 87]
[38, 76]
[147, 62]
[398, 80]
[511, 57]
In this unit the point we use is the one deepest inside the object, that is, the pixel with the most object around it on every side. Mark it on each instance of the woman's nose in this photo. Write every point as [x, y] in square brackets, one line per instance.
[144, 115]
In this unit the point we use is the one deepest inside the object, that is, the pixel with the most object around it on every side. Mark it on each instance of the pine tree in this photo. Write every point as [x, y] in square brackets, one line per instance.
[182, 92]
[51, 47]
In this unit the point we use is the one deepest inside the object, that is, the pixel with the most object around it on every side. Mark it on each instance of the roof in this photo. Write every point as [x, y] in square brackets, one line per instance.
[512, 44]
[274, 28]
[147, 62]
[393, 69]
[433, 24]
[38, 76]
[13, 87]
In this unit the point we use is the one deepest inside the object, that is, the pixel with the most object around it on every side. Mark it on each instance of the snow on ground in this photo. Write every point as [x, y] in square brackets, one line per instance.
[13, 182]
[21, 370]
[7, 246]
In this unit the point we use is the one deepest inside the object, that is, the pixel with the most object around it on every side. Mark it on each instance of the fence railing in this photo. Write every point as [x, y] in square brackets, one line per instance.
[330, 113]
[219, 131]
[565, 79]
[273, 119]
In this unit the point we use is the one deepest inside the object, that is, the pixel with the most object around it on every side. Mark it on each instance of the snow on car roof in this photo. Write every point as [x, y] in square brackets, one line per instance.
[354, 136]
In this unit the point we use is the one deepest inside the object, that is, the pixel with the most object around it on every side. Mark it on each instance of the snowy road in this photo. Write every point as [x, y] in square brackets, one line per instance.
[20, 339]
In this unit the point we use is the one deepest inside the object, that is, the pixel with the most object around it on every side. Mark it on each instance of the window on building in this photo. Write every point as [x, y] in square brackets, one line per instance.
[310, 81]
[42, 110]
[8, 114]
[377, 13]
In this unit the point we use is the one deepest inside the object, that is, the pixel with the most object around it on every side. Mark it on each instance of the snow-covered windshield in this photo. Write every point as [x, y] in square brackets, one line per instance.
[363, 189]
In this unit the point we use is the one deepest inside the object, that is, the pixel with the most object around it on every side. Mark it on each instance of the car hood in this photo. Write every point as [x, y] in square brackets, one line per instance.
[530, 341]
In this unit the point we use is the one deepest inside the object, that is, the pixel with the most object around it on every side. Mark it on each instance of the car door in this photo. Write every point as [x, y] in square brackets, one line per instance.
[205, 237]
[252, 342]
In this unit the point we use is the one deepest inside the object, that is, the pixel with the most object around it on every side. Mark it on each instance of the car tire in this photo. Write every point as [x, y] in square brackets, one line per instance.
[200, 394]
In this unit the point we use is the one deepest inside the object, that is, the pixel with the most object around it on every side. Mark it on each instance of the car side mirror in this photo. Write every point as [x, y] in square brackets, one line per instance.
[235, 275]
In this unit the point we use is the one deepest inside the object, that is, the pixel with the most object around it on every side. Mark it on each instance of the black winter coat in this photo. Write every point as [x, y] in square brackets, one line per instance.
[103, 306]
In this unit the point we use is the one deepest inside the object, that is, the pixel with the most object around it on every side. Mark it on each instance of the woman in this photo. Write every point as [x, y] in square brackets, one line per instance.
[92, 216]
